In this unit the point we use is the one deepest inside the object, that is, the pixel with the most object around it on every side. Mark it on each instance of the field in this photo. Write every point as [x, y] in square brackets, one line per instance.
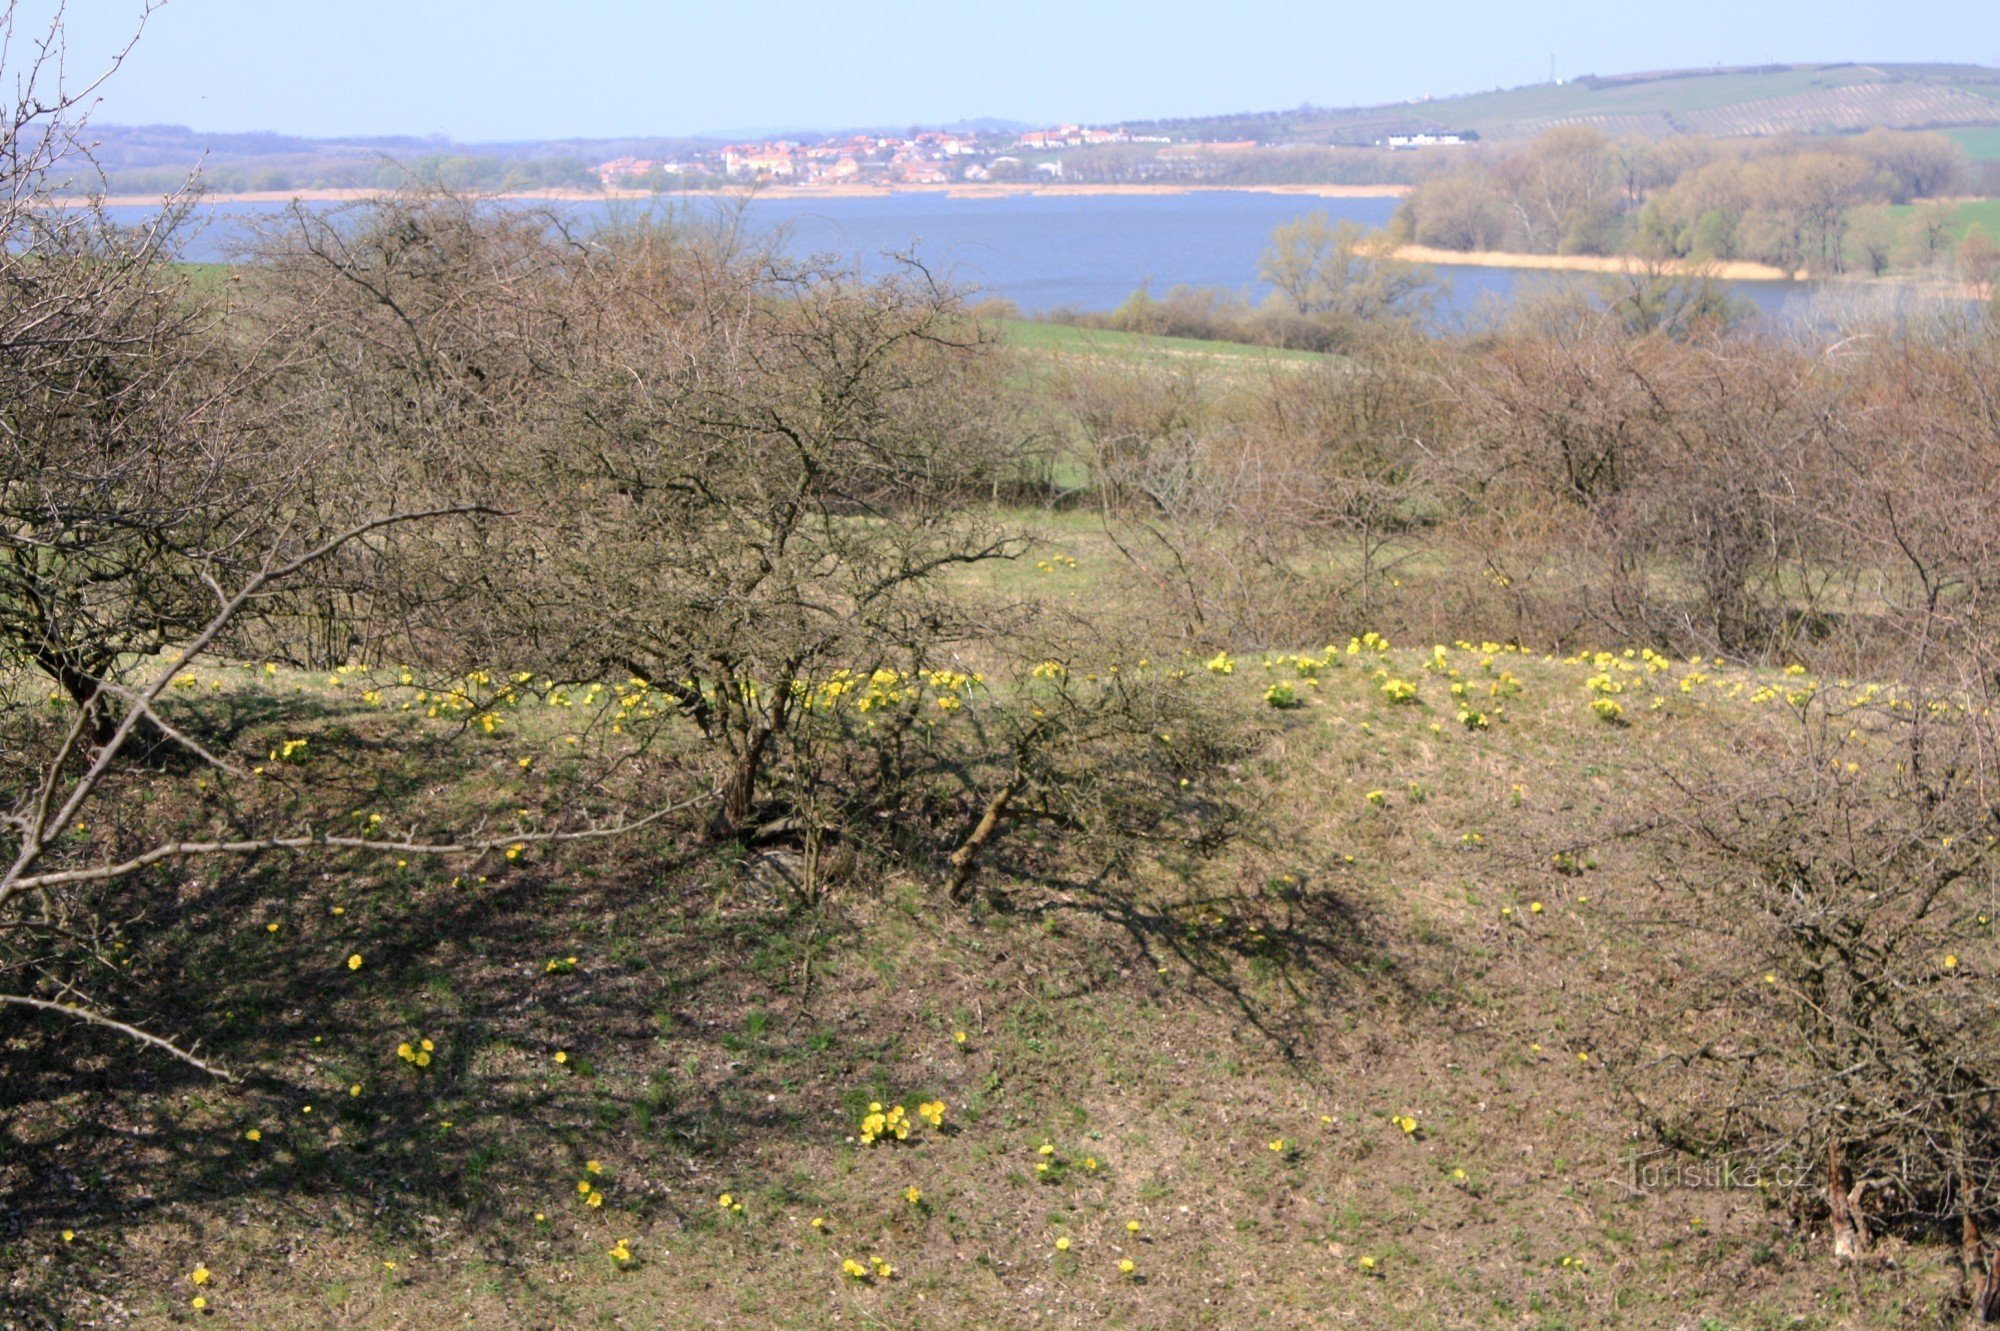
[1059, 342]
[1983, 144]
[1983, 215]
[1966, 216]
[1810, 99]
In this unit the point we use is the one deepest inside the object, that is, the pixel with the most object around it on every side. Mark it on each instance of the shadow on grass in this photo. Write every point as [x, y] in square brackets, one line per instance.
[1310, 946]
[96, 1136]
[669, 1052]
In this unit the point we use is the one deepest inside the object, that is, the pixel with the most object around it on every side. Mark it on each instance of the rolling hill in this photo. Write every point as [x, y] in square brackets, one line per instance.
[1761, 100]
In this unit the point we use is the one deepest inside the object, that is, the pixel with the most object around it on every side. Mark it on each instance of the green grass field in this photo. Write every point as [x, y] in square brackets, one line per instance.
[1983, 214]
[1983, 144]
[1062, 341]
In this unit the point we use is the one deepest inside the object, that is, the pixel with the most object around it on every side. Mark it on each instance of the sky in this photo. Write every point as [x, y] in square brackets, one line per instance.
[490, 70]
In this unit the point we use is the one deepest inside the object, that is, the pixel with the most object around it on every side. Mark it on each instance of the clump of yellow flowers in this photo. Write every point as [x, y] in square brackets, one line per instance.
[893, 1123]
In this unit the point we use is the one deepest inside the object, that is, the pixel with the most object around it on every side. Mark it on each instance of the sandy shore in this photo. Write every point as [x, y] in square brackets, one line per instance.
[1735, 271]
[959, 190]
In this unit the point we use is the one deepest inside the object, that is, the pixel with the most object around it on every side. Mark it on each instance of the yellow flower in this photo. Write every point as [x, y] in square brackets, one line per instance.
[1131, 1227]
[1368, 1263]
[354, 962]
[1126, 1266]
[1405, 1122]
[1950, 962]
[882, 1268]
[251, 1136]
[271, 927]
[620, 1253]
[1277, 1144]
[912, 1195]
[562, 1056]
[199, 1304]
[1045, 1149]
[69, 1236]
[354, 1090]
[725, 1201]
[854, 1269]
[959, 1036]
[1062, 1245]
[592, 1167]
[198, 1276]
[583, 1187]
[819, 1222]
[595, 1200]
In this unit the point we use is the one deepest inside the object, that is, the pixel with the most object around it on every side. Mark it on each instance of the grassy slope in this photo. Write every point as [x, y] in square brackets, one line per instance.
[1981, 213]
[1983, 144]
[1702, 92]
[1062, 341]
[1353, 962]
[1361, 962]
[1505, 111]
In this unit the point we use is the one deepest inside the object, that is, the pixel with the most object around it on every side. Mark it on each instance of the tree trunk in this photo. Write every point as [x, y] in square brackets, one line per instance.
[965, 860]
[741, 792]
[1984, 1274]
[1850, 1227]
[84, 689]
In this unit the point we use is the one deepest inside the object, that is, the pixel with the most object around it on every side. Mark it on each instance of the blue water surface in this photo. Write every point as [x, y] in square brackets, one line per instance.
[1044, 252]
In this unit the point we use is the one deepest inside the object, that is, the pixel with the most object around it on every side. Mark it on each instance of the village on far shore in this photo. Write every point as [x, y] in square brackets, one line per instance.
[940, 157]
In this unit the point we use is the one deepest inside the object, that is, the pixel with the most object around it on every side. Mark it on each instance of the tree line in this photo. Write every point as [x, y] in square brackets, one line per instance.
[1791, 203]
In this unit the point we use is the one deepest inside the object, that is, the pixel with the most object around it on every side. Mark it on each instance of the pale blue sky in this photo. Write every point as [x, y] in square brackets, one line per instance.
[514, 69]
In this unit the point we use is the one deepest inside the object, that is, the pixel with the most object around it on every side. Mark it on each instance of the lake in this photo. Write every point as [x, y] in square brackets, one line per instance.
[1043, 252]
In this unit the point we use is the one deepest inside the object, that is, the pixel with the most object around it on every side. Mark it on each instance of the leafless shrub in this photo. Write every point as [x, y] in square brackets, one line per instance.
[1838, 917]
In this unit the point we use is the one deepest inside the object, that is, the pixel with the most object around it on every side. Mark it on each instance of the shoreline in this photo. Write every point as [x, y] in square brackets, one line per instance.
[1729, 271]
[956, 190]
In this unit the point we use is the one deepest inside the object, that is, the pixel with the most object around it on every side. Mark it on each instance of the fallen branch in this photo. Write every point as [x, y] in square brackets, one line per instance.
[123, 1028]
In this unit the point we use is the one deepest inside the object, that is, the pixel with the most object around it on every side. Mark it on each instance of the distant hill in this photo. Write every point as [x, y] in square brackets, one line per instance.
[1745, 101]
[1753, 100]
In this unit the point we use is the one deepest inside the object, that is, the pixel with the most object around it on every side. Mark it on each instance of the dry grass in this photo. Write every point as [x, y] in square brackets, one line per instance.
[1356, 962]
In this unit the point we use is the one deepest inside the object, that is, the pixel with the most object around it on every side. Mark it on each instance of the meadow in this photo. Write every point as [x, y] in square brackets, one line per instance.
[1982, 144]
[1367, 1065]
